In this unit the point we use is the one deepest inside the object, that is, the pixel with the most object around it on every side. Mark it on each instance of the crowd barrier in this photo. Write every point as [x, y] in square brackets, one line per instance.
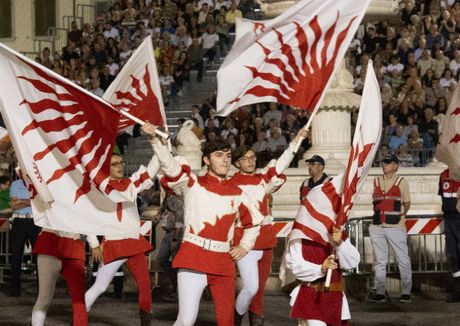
[147, 230]
[425, 237]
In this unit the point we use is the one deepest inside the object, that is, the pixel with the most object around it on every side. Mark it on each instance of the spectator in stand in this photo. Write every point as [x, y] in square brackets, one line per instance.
[227, 129]
[426, 62]
[276, 141]
[210, 41]
[222, 30]
[429, 129]
[196, 115]
[455, 64]
[231, 16]
[440, 63]
[195, 54]
[397, 139]
[434, 37]
[272, 113]
[441, 109]
[405, 159]
[414, 145]
[210, 127]
[5, 183]
[95, 87]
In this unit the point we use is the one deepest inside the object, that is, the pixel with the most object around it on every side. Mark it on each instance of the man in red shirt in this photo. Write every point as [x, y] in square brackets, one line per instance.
[255, 267]
[205, 257]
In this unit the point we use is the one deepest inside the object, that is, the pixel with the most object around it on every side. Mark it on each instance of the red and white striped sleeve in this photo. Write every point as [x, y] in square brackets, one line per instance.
[272, 174]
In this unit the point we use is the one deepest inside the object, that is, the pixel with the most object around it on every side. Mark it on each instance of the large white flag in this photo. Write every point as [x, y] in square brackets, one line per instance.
[289, 59]
[448, 149]
[63, 137]
[136, 89]
[330, 204]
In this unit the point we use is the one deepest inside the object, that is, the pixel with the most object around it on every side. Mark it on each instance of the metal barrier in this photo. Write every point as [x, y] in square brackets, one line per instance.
[425, 241]
[146, 230]
[59, 37]
[87, 12]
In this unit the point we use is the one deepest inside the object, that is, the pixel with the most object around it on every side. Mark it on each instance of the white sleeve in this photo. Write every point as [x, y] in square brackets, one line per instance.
[303, 270]
[348, 255]
[93, 241]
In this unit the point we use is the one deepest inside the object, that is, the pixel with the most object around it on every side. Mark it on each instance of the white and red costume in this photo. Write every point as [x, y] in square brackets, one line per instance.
[255, 267]
[67, 252]
[310, 303]
[211, 208]
[131, 247]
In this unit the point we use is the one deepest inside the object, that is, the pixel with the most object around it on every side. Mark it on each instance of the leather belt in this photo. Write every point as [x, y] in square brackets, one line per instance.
[319, 286]
[207, 244]
[15, 215]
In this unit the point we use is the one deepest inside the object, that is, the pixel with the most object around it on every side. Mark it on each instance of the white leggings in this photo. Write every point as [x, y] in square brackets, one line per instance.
[249, 273]
[48, 273]
[105, 274]
[311, 322]
[191, 285]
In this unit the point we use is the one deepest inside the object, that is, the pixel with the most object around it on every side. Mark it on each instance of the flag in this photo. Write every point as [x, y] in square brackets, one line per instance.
[136, 89]
[330, 204]
[448, 149]
[289, 59]
[365, 143]
[63, 137]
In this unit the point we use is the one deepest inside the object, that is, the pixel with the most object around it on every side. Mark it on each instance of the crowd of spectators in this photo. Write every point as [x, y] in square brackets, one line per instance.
[185, 34]
[417, 64]
[416, 59]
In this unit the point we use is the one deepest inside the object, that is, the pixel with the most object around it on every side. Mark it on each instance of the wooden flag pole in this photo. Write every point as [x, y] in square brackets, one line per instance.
[139, 121]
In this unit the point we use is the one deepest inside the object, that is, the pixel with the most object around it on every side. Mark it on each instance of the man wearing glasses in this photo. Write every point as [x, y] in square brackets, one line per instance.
[255, 267]
[117, 249]
[317, 175]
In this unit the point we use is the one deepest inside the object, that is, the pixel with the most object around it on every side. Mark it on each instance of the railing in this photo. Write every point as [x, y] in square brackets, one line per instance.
[40, 44]
[87, 12]
[67, 21]
[59, 37]
[412, 158]
[426, 246]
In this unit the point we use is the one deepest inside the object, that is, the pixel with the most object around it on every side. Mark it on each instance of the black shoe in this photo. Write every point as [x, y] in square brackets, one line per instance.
[238, 319]
[405, 298]
[378, 298]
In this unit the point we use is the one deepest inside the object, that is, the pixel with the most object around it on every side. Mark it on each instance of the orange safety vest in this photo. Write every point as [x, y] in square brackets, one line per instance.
[387, 205]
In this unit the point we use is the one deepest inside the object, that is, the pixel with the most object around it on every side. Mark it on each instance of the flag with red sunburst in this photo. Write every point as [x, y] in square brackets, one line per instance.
[136, 89]
[448, 149]
[63, 137]
[289, 59]
[331, 203]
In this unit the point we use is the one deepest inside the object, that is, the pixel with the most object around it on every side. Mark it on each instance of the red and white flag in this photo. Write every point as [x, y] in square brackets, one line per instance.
[330, 204]
[289, 59]
[63, 137]
[136, 89]
[448, 149]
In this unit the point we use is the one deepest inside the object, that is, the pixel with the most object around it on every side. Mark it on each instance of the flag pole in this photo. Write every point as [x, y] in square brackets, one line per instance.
[139, 121]
[307, 125]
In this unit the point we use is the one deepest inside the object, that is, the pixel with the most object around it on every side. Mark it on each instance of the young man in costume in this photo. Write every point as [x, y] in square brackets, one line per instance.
[115, 250]
[255, 267]
[205, 257]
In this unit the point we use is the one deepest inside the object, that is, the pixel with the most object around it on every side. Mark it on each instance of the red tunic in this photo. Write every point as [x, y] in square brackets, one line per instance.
[312, 304]
[51, 244]
[211, 207]
[125, 248]
[259, 186]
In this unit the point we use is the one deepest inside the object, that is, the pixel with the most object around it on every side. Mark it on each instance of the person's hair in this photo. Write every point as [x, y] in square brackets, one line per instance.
[209, 148]
[239, 153]
[5, 179]
[116, 154]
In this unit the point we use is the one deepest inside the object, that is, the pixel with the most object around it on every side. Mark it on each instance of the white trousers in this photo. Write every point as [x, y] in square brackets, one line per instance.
[311, 322]
[249, 273]
[105, 274]
[191, 285]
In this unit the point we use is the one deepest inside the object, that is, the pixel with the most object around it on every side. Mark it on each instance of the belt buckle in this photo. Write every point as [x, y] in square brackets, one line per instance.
[207, 244]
